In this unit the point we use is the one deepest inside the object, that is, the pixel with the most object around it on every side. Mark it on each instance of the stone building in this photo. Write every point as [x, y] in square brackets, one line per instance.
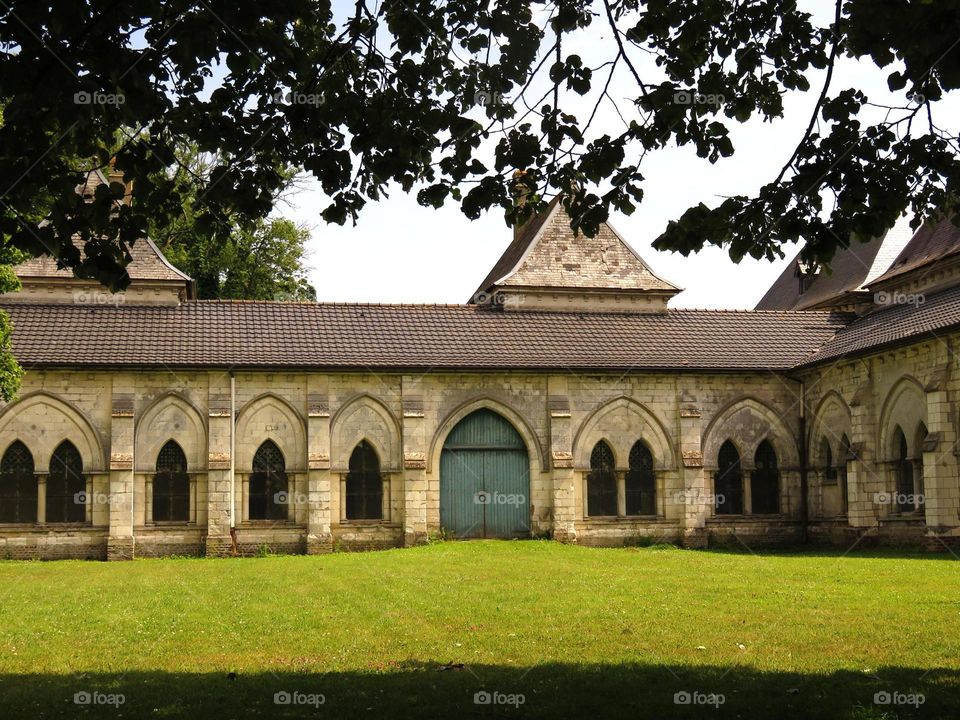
[564, 400]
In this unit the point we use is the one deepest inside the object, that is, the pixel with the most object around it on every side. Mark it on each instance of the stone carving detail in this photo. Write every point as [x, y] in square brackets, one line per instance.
[415, 460]
[692, 458]
[562, 459]
[122, 405]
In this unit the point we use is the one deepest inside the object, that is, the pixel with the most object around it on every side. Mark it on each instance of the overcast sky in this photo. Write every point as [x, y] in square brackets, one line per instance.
[401, 252]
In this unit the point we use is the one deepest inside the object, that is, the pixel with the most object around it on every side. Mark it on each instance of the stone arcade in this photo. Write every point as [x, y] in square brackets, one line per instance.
[564, 400]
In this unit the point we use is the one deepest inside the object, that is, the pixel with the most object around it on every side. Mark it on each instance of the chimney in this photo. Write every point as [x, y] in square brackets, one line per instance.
[114, 175]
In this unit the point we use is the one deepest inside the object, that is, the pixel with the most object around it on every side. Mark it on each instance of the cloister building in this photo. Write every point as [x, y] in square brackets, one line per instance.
[564, 400]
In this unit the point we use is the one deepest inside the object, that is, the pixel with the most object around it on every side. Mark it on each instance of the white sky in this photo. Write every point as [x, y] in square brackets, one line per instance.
[401, 252]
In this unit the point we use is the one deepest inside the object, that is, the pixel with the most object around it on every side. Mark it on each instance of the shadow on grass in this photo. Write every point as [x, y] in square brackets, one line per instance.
[414, 690]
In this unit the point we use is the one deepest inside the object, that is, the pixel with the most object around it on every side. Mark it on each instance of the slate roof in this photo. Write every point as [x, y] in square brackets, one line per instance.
[850, 271]
[893, 325]
[398, 337]
[931, 243]
[546, 253]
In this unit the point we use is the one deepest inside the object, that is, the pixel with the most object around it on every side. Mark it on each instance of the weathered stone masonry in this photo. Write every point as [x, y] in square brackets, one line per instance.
[860, 410]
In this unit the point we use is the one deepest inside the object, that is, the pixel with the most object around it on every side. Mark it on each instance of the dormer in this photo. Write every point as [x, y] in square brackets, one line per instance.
[549, 268]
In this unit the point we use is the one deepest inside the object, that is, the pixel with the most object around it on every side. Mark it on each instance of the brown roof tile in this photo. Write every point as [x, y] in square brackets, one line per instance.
[308, 335]
[893, 325]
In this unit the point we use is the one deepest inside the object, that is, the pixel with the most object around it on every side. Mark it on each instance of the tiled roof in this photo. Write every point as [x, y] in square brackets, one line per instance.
[893, 325]
[546, 253]
[147, 263]
[308, 335]
[931, 242]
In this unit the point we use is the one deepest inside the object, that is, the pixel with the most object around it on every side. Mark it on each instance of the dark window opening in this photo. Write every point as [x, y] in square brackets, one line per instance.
[66, 500]
[728, 482]
[640, 485]
[171, 485]
[903, 502]
[602, 482]
[268, 494]
[364, 484]
[765, 481]
[18, 486]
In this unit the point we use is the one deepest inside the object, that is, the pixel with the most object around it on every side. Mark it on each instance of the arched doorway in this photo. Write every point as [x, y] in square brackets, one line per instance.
[485, 479]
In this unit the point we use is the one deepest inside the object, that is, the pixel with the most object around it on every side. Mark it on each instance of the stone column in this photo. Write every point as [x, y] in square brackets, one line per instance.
[940, 472]
[692, 502]
[319, 533]
[414, 480]
[219, 542]
[561, 458]
[120, 538]
[865, 477]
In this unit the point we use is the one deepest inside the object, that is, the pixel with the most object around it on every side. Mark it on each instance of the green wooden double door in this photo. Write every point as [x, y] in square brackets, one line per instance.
[485, 479]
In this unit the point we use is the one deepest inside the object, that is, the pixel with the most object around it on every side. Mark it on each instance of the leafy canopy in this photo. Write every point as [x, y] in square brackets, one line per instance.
[450, 100]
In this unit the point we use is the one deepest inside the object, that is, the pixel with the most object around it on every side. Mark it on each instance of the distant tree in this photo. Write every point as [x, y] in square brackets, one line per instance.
[452, 99]
[259, 259]
[265, 263]
[10, 370]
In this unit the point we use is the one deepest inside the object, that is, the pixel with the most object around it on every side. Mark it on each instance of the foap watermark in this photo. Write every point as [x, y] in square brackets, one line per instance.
[97, 297]
[898, 498]
[487, 497]
[695, 697]
[297, 98]
[885, 697]
[288, 498]
[488, 98]
[696, 496]
[504, 299]
[98, 98]
[898, 298]
[687, 97]
[95, 697]
[484, 697]
[284, 697]
[95, 498]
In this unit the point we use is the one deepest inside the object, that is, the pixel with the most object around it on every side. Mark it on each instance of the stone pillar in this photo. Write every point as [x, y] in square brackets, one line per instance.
[865, 476]
[319, 532]
[561, 458]
[414, 462]
[219, 542]
[940, 473]
[692, 502]
[120, 538]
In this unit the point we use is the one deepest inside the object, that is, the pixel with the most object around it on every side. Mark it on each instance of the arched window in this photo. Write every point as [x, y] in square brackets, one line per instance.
[842, 474]
[602, 482]
[728, 482]
[829, 469]
[903, 467]
[640, 486]
[364, 484]
[171, 485]
[18, 486]
[765, 481]
[268, 484]
[66, 486]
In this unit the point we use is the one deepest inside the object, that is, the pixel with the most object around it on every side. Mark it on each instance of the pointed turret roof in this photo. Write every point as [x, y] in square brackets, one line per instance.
[546, 254]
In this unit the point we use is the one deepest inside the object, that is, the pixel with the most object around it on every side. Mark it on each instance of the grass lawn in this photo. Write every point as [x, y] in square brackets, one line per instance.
[578, 632]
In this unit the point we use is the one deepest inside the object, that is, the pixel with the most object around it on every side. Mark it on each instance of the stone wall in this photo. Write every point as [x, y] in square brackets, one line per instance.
[118, 421]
